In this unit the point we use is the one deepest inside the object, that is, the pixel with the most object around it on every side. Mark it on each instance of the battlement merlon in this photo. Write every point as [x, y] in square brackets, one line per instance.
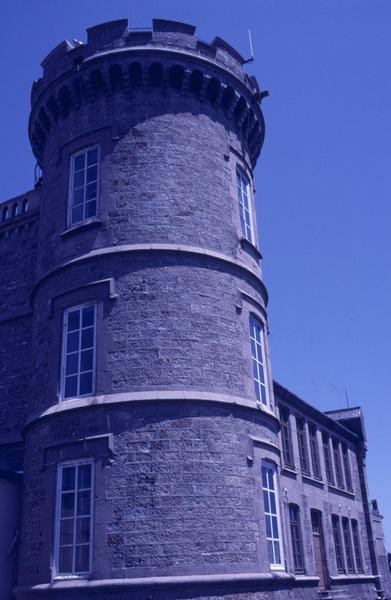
[116, 60]
[115, 35]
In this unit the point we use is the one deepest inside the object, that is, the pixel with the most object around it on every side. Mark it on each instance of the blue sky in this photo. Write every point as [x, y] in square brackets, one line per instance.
[323, 179]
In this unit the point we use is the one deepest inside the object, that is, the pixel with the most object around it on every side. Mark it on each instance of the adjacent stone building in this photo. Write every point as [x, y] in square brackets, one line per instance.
[144, 451]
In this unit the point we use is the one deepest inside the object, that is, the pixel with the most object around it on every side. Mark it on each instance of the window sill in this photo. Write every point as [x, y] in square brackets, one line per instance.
[341, 491]
[351, 577]
[88, 224]
[312, 480]
[250, 249]
[75, 577]
[289, 471]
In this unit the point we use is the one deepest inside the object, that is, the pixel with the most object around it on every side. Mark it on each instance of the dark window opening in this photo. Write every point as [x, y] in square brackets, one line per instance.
[286, 437]
[302, 443]
[327, 459]
[337, 464]
[65, 101]
[156, 74]
[297, 542]
[213, 89]
[338, 545]
[346, 465]
[115, 76]
[53, 108]
[195, 82]
[357, 546]
[96, 81]
[348, 544]
[314, 452]
[176, 77]
[135, 73]
[228, 97]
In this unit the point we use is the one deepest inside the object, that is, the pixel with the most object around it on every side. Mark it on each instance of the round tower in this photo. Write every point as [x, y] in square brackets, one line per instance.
[151, 407]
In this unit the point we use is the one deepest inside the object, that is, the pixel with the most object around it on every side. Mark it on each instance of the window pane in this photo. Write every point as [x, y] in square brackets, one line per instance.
[82, 530]
[72, 364]
[73, 341]
[74, 519]
[244, 211]
[79, 162]
[253, 350]
[270, 552]
[275, 527]
[82, 559]
[266, 502]
[271, 514]
[68, 505]
[73, 320]
[87, 338]
[92, 156]
[84, 186]
[277, 556]
[86, 360]
[264, 477]
[84, 477]
[91, 191]
[78, 179]
[77, 214]
[88, 316]
[271, 479]
[269, 531]
[263, 395]
[78, 197]
[91, 209]
[68, 478]
[66, 532]
[257, 354]
[65, 562]
[84, 502]
[70, 386]
[92, 174]
[85, 384]
[79, 357]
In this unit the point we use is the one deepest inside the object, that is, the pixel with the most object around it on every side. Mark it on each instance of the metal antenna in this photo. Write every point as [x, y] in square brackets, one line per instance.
[251, 59]
[131, 14]
[347, 397]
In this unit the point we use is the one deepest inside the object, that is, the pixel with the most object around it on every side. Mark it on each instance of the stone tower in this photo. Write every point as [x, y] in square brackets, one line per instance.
[151, 370]
[157, 458]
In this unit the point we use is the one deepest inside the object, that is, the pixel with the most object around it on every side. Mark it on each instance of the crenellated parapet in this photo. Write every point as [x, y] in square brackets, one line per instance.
[17, 213]
[115, 60]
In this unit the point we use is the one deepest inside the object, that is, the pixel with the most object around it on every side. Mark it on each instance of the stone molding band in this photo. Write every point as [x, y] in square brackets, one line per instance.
[149, 396]
[173, 248]
[156, 582]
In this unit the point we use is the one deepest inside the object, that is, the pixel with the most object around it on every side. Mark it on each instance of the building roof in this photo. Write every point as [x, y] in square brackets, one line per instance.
[347, 422]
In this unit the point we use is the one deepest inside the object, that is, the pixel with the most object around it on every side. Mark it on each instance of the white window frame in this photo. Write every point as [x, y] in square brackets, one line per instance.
[64, 352]
[57, 525]
[73, 157]
[243, 188]
[274, 566]
[260, 364]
